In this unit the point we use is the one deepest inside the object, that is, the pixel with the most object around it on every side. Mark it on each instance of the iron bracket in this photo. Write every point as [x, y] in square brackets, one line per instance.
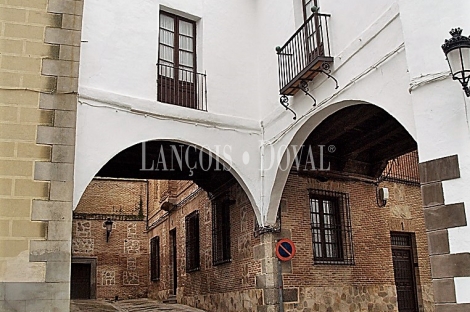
[327, 71]
[284, 100]
[303, 85]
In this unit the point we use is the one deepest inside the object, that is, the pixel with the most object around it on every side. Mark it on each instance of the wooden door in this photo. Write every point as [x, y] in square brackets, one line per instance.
[80, 287]
[403, 267]
[173, 261]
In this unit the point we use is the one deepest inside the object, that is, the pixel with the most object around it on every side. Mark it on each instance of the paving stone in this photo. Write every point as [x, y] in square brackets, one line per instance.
[134, 305]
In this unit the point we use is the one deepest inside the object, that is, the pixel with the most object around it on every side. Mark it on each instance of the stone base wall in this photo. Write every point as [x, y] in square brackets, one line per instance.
[372, 298]
[428, 298]
[237, 301]
[375, 298]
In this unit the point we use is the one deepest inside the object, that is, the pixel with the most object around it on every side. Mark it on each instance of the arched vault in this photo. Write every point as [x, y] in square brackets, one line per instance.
[353, 140]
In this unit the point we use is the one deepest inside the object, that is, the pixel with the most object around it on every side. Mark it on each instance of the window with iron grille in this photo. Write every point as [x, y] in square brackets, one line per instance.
[192, 242]
[221, 230]
[155, 258]
[331, 227]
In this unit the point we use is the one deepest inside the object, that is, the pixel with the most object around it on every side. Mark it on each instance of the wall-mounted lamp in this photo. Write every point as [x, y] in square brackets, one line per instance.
[109, 227]
[382, 196]
[457, 51]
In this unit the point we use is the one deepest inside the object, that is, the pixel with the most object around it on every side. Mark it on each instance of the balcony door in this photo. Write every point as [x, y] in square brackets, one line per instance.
[177, 61]
[314, 44]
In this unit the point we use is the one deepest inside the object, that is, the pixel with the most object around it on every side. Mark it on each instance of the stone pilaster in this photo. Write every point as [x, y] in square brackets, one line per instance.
[439, 217]
[267, 280]
[44, 86]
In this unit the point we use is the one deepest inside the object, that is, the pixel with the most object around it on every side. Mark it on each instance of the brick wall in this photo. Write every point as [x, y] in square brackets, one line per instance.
[122, 263]
[371, 238]
[114, 196]
[232, 286]
[233, 280]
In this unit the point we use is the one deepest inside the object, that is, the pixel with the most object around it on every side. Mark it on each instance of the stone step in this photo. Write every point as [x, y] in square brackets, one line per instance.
[171, 299]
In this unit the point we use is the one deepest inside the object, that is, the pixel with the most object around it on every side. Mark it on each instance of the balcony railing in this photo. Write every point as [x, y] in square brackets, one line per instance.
[304, 53]
[182, 87]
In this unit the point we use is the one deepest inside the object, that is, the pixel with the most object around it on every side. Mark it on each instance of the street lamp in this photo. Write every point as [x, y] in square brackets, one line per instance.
[457, 51]
[109, 227]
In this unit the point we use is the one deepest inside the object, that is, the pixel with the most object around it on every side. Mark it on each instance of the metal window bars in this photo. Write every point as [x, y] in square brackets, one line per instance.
[181, 86]
[331, 228]
[155, 258]
[221, 229]
[193, 258]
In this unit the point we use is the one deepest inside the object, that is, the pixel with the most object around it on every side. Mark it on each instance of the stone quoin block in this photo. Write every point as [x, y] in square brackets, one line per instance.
[59, 230]
[52, 67]
[433, 194]
[51, 210]
[61, 191]
[44, 171]
[441, 169]
[71, 21]
[65, 119]
[69, 53]
[438, 242]
[450, 265]
[58, 101]
[443, 217]
[65, 6]
[50, 250]
[63, 153]
[444, 290]
[55, 135]
[67, 84]
[62, 36]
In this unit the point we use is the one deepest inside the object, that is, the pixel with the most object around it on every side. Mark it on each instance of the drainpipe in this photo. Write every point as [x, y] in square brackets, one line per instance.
[280, 285]
[262, 148]
[147, 214]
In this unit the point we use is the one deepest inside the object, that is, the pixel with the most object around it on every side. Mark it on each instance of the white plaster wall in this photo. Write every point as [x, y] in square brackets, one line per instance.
[107, 129]
[120, 40]
[462, 287]
[118, 51]
[380, 48]
[440, 108]
[236, 45]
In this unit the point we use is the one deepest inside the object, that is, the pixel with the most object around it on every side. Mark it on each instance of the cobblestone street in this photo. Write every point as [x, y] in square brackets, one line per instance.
[134, 305]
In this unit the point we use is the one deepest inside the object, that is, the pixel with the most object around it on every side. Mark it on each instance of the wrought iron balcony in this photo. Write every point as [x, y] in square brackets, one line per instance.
[181, 86]
[305, 54]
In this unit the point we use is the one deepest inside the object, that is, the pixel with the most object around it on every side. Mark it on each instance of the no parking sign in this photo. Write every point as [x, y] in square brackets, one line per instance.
[285, 249]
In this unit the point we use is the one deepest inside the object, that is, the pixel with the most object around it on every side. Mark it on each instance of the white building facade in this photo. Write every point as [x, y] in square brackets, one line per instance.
[383, 53]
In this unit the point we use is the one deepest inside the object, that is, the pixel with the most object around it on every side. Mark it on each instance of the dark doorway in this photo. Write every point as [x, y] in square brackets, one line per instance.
[80, 281]
[83, 278]
[173, 261]
[403, 267]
